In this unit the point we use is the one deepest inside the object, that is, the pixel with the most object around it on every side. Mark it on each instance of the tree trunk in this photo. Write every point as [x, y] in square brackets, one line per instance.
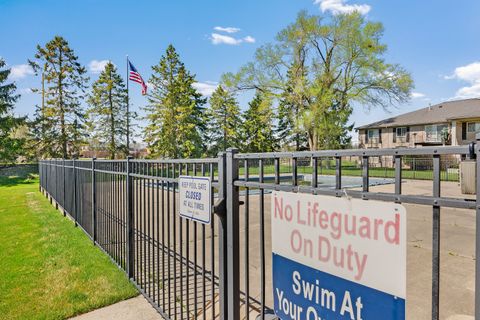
[61, 108]
[112, 123]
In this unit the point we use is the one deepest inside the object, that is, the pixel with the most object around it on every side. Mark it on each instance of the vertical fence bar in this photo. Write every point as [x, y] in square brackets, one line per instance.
[220, 163]
[436, 242]
[262, 230]
[365, 182]
[233, 237]
[477, 231]
[75, 215]
[56, 184]
[294, 172]
[94, 203]
[277, 170]
[130, 236]
[222, 239]
[314, 172]
[398, 174]
[247, 235]
[64, 188]
[338, 172]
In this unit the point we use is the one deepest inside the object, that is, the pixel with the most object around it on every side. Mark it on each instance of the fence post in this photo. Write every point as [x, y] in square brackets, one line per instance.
[94, 203]
[40, 175]
[365, 170]
[45, 186]
[75, 193]
[233, 237]
[51, 189]
[436, 240]
[64, 204]
[56, 184]
[222, 236]
[477, 231]
[130, 237]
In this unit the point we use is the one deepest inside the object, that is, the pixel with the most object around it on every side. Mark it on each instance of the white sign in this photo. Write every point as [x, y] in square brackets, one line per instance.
[195, 198]
[351, 250]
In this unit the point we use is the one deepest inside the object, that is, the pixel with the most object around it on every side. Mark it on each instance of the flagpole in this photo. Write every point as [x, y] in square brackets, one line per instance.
[128, 112]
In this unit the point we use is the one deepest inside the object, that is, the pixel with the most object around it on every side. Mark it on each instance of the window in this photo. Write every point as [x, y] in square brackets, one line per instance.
[433, 132]
[373, 134]
[473, 127]
[401, 132]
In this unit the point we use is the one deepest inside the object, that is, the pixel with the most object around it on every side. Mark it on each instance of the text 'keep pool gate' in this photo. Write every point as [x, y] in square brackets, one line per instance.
[254, 235]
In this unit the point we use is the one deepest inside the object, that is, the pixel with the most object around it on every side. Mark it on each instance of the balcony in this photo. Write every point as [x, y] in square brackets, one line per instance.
[426, 138]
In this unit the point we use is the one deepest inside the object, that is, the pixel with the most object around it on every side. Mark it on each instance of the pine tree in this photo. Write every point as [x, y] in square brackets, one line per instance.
[65, 83]
[40, 138]
[175, 115]
[258, 125]
[107, 115]
[224, 122]
[10, 146]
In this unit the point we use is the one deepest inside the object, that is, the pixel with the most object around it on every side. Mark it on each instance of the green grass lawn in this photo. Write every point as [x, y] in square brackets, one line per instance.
[48, 268]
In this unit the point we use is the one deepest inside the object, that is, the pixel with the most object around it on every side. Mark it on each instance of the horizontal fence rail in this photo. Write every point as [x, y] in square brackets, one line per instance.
[188, 270]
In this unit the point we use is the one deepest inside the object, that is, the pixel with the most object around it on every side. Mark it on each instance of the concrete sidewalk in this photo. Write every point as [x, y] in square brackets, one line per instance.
[136, 308]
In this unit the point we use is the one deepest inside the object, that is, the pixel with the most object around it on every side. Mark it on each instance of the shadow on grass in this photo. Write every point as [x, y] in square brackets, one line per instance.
[15, 181]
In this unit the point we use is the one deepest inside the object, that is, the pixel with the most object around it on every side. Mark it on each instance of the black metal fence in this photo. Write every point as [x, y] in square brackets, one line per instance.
[193, 271]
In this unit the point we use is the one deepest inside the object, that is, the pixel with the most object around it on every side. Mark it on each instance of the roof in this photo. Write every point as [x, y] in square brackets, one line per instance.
[442, 112]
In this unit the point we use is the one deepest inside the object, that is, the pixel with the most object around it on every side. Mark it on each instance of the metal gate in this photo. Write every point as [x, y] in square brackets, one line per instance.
[188, 270]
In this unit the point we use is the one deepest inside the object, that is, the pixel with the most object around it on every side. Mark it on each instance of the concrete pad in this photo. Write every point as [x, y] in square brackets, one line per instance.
[136, 308]
[460, 317]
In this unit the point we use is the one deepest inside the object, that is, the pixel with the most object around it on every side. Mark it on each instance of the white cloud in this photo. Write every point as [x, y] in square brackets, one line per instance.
[227, 29]
[339, 6]
[470, 74]
[20, 71]
[206, 88]
[223, 39]
[249, 39]
[219, 39]
[97, 66]
[472, 91]
[417, 95]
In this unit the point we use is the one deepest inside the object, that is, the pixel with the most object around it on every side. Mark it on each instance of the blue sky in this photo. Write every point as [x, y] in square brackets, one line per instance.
[436, 40]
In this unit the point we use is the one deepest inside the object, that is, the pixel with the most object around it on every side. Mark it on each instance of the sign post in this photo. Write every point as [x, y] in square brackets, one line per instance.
[195, 198]
[338, 258]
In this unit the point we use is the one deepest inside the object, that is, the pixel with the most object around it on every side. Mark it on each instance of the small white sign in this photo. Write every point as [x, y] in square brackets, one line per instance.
[195, 198]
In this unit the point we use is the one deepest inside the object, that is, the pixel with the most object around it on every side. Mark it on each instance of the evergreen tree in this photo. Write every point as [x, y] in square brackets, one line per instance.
[40, 139]
[224, 122]
[258, 125]
[107, 115]
[65, 83]
[10, 146]
[176, 120]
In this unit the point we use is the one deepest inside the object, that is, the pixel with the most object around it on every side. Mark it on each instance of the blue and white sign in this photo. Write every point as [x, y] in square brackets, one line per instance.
[338, 258]
[195, 198]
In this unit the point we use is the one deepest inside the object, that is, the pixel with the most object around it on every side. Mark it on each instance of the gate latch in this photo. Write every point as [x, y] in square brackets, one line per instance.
[219, 207]
[471, 151]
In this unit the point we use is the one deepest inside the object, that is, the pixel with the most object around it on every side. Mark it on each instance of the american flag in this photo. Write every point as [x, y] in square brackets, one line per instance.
[136, 77]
